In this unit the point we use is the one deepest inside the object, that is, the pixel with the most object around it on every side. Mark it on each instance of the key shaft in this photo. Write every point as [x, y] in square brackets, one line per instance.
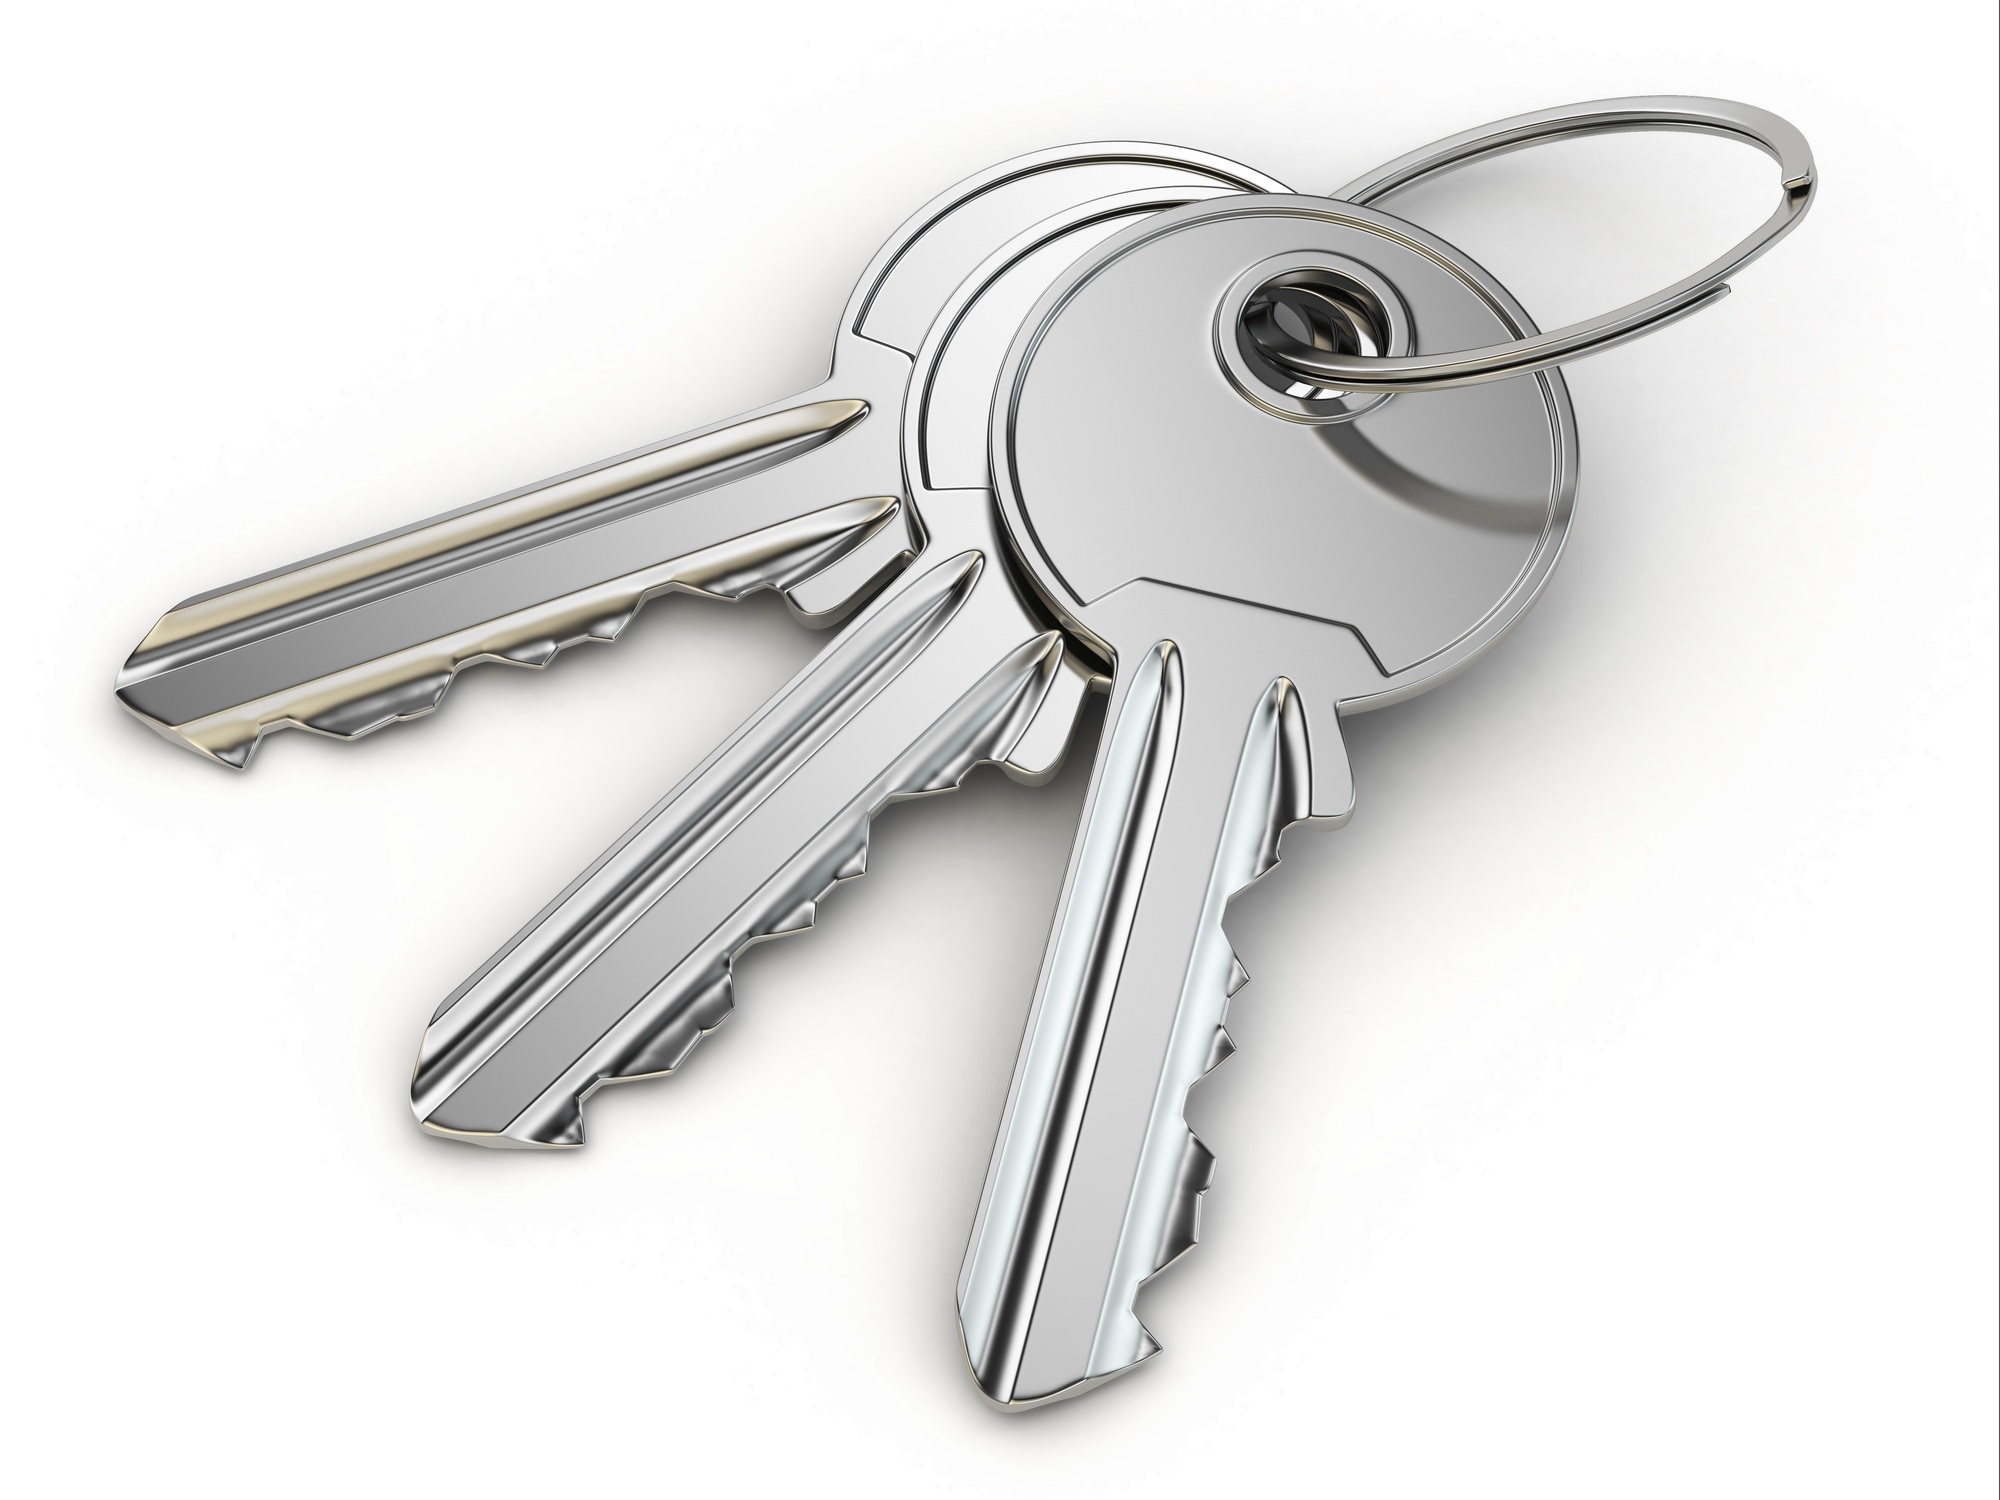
[1211, 750]
[349, 642]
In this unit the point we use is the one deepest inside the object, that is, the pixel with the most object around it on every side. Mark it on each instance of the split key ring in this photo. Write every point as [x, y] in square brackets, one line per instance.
[1777, 138]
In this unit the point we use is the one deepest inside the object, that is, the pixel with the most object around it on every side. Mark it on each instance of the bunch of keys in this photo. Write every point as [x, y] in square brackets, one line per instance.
[1120, 417]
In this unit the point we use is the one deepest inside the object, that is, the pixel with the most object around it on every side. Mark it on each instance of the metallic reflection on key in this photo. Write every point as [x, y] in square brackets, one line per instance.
[1247, 574]
[950, 667]
[805, 495]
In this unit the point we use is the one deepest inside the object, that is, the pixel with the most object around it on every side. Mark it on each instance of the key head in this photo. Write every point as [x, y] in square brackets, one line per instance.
[1139, 435]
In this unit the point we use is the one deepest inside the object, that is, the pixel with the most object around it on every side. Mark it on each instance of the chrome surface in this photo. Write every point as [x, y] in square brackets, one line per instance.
[805, 495]
[951, 666]
[1440, 370]
[1189, 485]
[1246, 578]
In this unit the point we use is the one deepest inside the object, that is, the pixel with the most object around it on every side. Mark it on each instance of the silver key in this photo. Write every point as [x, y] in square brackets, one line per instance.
[805, 495]
[1256, 539]
[1248, 578]
[951, 666]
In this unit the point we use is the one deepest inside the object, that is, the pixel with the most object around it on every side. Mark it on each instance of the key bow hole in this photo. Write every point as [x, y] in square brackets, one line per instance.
[1294, 312]
[1285, 307]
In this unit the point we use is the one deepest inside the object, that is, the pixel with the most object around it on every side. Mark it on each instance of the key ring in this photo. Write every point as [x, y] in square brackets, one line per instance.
[1777, 138]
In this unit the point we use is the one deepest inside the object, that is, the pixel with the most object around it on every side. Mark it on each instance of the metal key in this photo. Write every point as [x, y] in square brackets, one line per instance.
[805, 495]
[949, 667]
[1200, 465]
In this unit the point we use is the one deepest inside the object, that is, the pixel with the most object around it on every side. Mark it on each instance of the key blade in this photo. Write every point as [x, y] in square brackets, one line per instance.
[625, 972]
[1096, 1180]
[441, 536]
[347, 642]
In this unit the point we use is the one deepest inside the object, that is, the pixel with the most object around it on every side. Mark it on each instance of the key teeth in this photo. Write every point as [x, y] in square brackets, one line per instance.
[1180, 1234]
[667, 1050]
[532, 653]
[558, 1123]
[1183, 1226]
[417, 698]
[365, 715]
[798, 919]
[1220, 1050]
[608, 629]
[410, 700]
[1290, 803]
[562, 1128]
[1238, 975]
[424, 695]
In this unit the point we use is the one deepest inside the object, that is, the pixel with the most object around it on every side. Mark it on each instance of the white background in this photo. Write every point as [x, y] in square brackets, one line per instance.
[1615, 1108]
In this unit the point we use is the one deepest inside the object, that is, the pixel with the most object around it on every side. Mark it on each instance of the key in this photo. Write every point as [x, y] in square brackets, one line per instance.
[1251, 556]
[950, 666]
[805, 495]
[1201, 470]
